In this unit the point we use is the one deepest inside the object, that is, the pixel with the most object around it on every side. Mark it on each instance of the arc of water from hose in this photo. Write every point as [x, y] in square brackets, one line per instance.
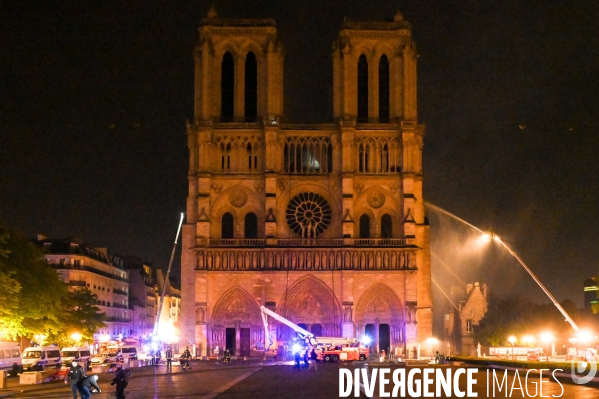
[436, 208]
[534, 277]
[446, 296]
[447, 267]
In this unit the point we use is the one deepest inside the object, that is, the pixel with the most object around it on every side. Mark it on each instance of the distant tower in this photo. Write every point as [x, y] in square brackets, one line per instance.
[322, 223]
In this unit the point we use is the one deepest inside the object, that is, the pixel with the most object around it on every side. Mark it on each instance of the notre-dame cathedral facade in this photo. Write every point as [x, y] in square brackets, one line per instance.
[322, 223]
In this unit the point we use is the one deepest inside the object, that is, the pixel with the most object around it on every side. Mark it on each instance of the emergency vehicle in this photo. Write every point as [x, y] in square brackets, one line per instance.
[328, 349]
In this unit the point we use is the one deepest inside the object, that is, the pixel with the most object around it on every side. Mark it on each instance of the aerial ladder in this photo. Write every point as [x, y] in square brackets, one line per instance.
[348, 349]
[305, 335]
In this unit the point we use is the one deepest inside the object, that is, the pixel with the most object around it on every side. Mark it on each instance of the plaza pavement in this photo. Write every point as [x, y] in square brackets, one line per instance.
[248, 380]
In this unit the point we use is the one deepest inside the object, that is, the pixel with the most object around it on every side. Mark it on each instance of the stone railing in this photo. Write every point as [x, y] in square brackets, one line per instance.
[297, 258]
[305, 242]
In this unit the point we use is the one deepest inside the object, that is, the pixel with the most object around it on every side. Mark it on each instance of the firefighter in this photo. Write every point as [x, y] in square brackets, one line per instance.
[306, 362]
[227, 356]
[297, 361]
[169, 358]
[185, 359]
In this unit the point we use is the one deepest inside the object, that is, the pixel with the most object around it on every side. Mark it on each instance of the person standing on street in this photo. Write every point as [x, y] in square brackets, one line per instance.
[169, 358]
[297, 361]
[185, 359]
[121, 381]
[76, 373]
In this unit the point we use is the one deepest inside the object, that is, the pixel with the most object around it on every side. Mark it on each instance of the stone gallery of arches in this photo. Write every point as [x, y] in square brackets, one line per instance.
[323, 224]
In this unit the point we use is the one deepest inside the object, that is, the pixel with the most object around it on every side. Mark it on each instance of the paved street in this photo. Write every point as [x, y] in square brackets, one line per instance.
[255, 379]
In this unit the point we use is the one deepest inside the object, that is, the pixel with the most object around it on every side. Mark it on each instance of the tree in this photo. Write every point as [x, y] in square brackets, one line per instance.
[79, 315]
[32, 290]
[517, 316]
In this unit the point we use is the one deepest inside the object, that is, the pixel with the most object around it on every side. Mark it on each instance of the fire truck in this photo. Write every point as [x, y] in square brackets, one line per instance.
[328, 349]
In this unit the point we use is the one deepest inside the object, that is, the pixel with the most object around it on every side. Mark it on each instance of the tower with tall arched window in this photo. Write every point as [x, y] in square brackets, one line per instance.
[322, 223]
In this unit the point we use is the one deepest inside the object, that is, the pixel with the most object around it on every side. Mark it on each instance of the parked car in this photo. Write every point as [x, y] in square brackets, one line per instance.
[537, 357]
[104, 358]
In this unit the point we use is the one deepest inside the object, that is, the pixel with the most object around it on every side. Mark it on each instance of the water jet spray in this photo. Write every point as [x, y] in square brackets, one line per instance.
[493, 237]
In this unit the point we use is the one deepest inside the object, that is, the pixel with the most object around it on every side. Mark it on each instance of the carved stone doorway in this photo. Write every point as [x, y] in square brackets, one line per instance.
[231, 341]
[244, 344]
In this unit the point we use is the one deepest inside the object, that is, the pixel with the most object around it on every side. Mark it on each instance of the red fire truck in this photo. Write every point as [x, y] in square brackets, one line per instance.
[328, 349]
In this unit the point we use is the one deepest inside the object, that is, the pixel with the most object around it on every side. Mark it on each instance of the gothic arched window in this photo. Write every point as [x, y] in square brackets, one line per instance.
[227, 226]
[363, 158]
[362, 89]
[251, 88]
[384, 89]
[385, 158]
[251, 226]
[225, 157]
[364, 226]
[227, 87]
[329, 158]
[386, 226]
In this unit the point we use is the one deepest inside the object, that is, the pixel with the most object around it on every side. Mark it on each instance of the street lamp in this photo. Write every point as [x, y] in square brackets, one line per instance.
[546, 337]
[76, 337]
[512, 341]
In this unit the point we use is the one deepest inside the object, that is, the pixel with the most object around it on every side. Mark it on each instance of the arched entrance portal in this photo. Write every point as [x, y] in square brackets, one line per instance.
[311, 304]
[236, 323]
[379, 315]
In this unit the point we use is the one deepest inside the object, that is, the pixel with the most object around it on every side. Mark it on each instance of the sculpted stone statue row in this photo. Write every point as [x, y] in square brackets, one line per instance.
[306, 260]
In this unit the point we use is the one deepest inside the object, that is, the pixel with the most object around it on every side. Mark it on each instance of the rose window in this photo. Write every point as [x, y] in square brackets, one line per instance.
[308, 215]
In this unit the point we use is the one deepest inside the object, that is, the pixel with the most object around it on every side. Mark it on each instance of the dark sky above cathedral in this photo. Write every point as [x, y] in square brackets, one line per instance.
[94, 97]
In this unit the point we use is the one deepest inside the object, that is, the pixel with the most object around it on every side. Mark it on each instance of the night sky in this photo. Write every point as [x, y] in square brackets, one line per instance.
[94, 97]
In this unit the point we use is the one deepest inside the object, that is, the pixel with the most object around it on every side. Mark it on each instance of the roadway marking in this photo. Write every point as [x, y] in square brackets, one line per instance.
[228, 385]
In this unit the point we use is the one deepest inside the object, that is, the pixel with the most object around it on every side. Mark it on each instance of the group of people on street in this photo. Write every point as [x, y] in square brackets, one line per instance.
[155, 357]
[307, 354]
[81, 382]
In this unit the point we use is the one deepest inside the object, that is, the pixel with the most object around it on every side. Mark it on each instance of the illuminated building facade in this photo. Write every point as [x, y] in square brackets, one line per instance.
[82, 265]
[322, 223]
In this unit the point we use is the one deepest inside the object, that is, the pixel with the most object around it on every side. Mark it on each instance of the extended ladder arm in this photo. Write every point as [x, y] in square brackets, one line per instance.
[265, 312]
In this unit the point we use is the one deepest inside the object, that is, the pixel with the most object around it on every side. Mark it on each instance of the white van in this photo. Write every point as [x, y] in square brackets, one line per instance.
[10, 356]
[79, 354]
[37, 358]
[128, 352]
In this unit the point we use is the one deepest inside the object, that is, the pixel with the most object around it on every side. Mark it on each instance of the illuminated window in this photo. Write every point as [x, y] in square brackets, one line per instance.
[468, 325]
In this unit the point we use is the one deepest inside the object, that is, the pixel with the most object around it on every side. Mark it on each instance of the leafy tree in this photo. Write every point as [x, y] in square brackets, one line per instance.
[517, 316]
[79, 315]
[33, 291]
